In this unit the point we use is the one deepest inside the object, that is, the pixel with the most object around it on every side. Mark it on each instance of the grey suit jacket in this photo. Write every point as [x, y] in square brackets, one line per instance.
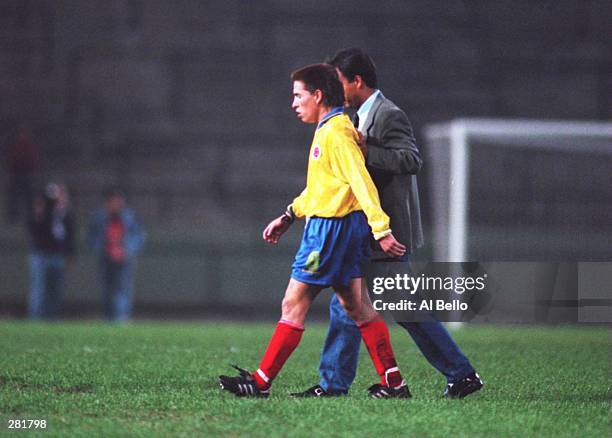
[393, 161]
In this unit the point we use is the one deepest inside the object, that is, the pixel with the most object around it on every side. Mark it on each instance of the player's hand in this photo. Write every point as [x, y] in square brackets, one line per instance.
[392, 247]
[275, 230]
[362, 144]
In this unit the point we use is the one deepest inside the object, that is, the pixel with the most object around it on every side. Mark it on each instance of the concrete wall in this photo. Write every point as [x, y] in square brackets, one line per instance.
[183, 102]
[187, 103]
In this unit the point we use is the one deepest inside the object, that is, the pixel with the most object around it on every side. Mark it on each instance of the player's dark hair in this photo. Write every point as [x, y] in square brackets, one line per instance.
[355, 61]
[321, 77]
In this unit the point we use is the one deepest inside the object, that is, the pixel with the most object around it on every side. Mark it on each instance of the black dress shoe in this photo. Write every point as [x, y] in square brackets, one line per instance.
[464, 387]
[315, 391]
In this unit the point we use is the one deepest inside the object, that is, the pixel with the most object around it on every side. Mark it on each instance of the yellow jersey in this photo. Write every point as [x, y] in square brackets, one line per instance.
[338, 182]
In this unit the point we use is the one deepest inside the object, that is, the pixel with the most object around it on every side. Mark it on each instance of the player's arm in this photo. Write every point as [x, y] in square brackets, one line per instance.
[349, 164]
[297, 208]
[275, 229]
[396, 151]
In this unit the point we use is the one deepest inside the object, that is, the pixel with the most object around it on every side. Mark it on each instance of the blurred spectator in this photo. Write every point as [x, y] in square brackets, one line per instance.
[24, 158]
[116, 238]
[52, 228]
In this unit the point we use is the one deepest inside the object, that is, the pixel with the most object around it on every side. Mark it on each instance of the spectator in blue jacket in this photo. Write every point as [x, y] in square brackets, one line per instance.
[117, 238]
[52, 230]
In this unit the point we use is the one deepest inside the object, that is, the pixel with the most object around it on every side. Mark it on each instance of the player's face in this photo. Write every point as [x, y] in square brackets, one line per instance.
[304, 103]
[351, 99]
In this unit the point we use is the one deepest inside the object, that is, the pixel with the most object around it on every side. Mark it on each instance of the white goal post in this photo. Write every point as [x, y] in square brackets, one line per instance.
[449, 146]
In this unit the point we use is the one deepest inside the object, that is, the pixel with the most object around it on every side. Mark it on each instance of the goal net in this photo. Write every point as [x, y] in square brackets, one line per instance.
[519, 190]
[532, 201]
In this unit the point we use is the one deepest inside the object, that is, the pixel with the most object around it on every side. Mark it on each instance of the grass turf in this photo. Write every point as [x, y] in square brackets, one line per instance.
[159, 379]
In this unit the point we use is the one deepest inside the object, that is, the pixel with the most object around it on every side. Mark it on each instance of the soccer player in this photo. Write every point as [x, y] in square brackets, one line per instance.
[339, 200]
[393, 160]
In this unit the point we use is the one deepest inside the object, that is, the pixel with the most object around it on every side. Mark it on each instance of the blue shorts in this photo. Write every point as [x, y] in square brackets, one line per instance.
[333, 250]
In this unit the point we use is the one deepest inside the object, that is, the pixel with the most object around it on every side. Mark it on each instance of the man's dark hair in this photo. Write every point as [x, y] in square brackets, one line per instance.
[355, 61]
[321, 77]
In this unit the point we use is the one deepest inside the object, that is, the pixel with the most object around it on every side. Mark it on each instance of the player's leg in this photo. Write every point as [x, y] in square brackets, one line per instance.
[338, 249]
[356, 302]
[285, 339]
[375, 335]
[288, 332]
[297, 300]
[432, 338]
[428, 333]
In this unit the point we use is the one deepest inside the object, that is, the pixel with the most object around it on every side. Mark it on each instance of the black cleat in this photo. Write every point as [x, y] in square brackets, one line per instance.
[464, 387]
[381, 391]
[242, 385]
[315, 391]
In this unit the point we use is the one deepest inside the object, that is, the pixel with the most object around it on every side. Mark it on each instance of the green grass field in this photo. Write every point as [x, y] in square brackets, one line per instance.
[155, 379]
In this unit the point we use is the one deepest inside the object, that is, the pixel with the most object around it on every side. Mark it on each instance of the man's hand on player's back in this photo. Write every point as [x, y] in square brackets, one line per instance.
[392, 247]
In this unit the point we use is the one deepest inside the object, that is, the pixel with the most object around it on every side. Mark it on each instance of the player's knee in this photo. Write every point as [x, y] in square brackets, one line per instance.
[353, 310]
[289, 306]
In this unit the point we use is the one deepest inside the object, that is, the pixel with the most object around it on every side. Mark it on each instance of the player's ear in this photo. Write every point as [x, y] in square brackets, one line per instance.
[318, 96]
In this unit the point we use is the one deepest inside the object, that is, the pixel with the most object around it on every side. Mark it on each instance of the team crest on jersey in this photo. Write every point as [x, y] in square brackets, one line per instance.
[316, 152]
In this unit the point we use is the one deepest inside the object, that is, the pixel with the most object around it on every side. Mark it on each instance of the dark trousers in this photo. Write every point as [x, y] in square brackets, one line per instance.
[117, 289]
[46, 285]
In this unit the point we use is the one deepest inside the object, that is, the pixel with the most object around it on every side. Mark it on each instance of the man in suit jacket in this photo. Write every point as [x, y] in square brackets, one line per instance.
[393, 160]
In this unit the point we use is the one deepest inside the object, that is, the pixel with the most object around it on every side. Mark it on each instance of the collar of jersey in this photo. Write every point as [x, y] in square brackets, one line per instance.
[335, 111]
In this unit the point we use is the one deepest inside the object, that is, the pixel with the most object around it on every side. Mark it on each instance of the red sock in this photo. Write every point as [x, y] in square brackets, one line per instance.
[375, 335]
[285, 339]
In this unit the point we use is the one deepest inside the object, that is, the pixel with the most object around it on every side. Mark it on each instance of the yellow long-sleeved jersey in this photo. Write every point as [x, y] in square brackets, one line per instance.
[338, 182]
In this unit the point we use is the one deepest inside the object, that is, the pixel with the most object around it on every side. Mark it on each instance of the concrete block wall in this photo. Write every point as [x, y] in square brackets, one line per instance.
[186, 103]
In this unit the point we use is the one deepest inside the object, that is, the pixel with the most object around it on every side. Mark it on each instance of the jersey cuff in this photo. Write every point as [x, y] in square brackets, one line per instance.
[288, 216]
[291, 212]
[380, 235]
